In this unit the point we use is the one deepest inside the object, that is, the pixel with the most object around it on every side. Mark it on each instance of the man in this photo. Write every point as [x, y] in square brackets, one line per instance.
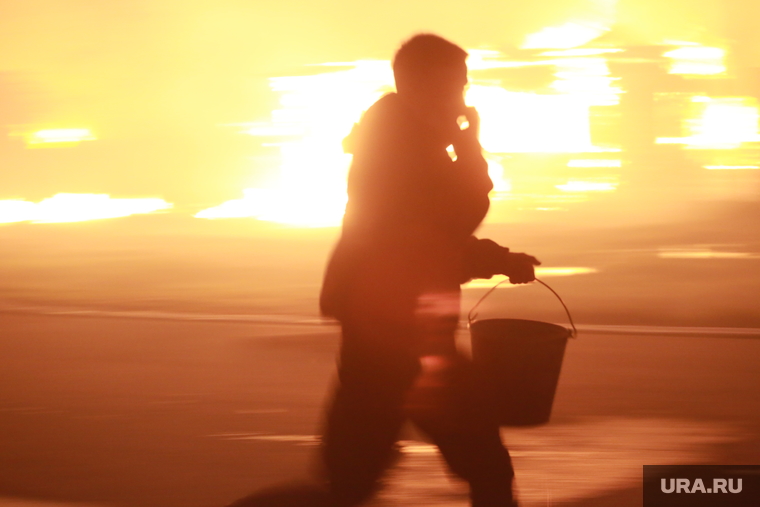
[394, 281]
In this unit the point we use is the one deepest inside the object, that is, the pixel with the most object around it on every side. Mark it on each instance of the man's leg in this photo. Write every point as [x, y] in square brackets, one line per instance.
[469, 440]
[366, 413]
[480, 458]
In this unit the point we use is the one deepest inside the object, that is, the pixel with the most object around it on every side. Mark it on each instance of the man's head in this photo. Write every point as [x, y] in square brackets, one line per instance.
[431, 72]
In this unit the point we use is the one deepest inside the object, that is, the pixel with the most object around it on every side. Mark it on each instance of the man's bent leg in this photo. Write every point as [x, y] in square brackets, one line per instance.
[482, 460]
[366, 412]
[469, 440]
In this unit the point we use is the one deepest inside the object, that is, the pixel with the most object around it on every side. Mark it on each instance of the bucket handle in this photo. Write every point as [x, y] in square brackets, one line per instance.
[471, 316]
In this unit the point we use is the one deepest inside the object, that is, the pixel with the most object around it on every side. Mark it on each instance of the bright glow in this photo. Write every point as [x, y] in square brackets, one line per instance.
[267, 130]
[17, 211]
[587, 79]
[731, 167]
[541, 272]
[484, 59]
[305, 440]
[581, 52]
[702, 253]
[594, 163]
[696, 53]
[513, 122]
[77, 208]
[314, 208]
[721, 124]
[587, 186]
[59, 136]
[317, 111]
[496, 173]
[697, 60]
[565, 36]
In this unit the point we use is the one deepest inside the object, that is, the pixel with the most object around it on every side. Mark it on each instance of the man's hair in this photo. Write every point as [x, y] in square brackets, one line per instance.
[421, 54]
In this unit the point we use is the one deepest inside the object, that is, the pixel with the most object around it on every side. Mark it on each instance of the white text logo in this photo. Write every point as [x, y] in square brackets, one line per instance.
[685, 486]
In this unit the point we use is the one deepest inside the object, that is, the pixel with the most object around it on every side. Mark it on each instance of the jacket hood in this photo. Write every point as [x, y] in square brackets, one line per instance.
[387, 110]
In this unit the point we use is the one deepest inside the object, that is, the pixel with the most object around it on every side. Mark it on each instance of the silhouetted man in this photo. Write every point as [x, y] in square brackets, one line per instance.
[394, 281]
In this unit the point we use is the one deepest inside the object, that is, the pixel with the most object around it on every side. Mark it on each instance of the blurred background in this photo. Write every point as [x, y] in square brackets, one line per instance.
[172, 182]
[186, 156]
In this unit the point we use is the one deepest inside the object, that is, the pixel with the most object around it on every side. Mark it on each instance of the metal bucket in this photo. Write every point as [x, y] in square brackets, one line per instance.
[517, 365]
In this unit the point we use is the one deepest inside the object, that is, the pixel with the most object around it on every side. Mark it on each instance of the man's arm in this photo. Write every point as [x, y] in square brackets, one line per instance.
[484, 258]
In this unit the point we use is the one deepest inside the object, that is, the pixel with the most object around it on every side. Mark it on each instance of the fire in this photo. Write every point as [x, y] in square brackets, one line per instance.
[76, 208]
[317, 111]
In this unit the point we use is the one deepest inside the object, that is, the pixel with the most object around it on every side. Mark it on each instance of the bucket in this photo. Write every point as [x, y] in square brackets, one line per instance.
[517, 364]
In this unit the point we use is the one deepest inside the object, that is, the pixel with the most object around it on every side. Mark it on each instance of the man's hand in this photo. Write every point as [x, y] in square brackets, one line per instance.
[465, 140]
[473, 121]
[484, 258]
[519, 267]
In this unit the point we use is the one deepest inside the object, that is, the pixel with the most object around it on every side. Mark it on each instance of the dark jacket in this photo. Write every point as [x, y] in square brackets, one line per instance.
[408, 226]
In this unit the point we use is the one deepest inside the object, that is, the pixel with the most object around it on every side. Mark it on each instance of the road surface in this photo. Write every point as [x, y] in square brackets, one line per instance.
[109, 411]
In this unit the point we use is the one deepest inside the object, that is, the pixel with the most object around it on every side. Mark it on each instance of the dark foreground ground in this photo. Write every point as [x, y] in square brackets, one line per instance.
[142, 413]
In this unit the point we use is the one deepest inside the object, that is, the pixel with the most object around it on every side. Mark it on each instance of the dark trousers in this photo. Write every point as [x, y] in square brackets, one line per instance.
[381, 384]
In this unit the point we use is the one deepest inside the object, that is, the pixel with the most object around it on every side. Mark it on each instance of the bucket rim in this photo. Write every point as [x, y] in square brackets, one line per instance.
[567, 330]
